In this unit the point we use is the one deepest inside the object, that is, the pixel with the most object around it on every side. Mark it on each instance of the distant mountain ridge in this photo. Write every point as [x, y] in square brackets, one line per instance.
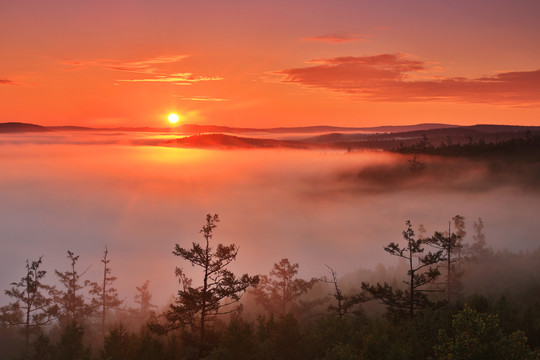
[15, 127]
[198, 129]
[222, 141]
[327, 137]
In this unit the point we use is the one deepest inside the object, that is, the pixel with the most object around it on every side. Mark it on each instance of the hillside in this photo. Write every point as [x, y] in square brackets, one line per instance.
[13, 127]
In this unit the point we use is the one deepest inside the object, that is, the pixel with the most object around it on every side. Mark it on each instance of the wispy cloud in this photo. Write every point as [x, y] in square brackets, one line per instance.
[149, 66]
[177, 79]
[145, 66]
[201, 98]
[7, 82]
[337, 38]
[399, 77]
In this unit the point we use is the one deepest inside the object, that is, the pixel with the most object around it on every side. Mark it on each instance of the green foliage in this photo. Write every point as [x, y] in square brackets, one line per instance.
[148, 347]
[220, 290]
[342, 352]
[478, 336]
[238, 341]
[71, 346]
[32, 305]
[43, 349]
[71, 301]
[279, 339]
[117, 344]
[278, 291]
[522, 149]
[423, 269]
[105, 296]
[331, 335]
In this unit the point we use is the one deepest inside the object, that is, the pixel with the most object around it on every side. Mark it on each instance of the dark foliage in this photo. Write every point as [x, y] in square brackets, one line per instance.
[422, 270]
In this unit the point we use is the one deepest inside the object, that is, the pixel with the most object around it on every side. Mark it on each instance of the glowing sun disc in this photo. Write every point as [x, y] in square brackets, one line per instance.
[173, 118]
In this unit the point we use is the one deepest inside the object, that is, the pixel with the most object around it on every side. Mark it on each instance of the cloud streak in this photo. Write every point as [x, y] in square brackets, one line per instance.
[177, 79]
[201, 98]
[146, 66]
[337, 38]
[7, 82]
[400, 78]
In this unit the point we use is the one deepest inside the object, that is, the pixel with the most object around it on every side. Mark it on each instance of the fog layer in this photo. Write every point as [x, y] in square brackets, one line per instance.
[313, 207]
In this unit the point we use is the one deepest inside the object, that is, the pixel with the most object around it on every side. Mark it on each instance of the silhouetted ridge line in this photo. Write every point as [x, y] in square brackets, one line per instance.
[21, 127]
[229, 141]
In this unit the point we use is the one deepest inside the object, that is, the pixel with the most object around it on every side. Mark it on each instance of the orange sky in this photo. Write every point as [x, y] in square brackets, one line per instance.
[263, 64]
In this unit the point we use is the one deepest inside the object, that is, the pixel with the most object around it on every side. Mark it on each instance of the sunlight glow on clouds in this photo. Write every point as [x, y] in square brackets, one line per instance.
[177, 79]
[395, 78]
[7, 82]
[201, 98]
[337, 38]
[146, 66]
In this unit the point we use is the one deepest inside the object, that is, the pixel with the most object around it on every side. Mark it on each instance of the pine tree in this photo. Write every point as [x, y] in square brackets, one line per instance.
[105, 296]
[449, 244]
[479, 250]
[71, 301]
[220, 290]
[420, 274]
[343, 302]
[459, 225]
[33, 304]
[143, 298]
[281, 288]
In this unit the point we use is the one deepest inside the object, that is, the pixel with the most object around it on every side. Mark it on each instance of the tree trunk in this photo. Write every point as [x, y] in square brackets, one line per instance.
[27, 328]
[449, 278]
[411, 296]
[103, 298]
[203, 307]
[28, 310]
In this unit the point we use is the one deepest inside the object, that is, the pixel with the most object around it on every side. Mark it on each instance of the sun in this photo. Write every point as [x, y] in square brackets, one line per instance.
[173, 118]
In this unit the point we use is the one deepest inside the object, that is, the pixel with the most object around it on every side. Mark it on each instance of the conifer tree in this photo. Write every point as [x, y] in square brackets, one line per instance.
[423, 270]
[343, 302]
[281, 288]
[33, 304]
[459, 225]
[479, 250]
[220, 289]
[105, 296]
[448, 244]
[72, 303]
[143, 298]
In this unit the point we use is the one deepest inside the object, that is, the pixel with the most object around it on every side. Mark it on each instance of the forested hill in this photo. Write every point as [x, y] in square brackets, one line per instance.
[526, 148]
[12, 127]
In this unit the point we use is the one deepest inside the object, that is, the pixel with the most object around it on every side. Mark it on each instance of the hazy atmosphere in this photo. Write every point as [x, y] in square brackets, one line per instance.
[256, 180]
[315, 206]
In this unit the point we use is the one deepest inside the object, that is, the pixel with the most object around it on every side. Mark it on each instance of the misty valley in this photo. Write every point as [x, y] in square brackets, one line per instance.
[242, 244]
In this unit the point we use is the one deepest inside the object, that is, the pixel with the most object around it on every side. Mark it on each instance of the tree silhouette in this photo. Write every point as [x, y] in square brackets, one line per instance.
[343, 302]
[220, 289]
[105, 296]
[281, 288]
[477, 336]
[71, 345]
[459, 225]
[479, 250]
[143, 298]
[420, 274]
[71, 301]
[31, 308]
[448, 243]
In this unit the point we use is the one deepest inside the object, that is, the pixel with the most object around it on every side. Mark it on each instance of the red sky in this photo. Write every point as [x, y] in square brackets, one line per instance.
[263, 64]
